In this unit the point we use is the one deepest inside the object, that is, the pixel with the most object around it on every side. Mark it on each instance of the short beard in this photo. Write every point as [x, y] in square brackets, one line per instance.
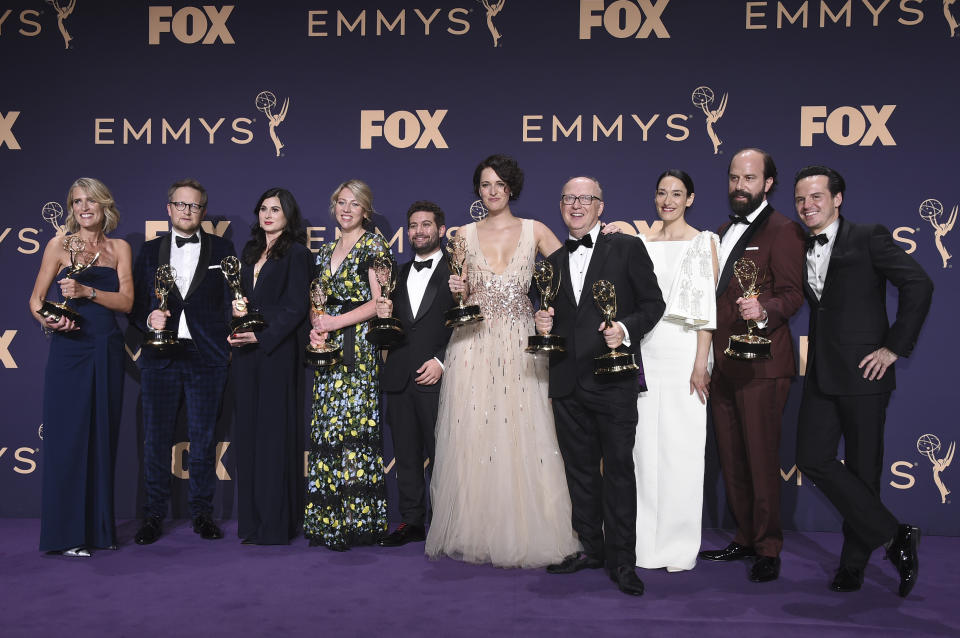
[430, 247]
[745, 208]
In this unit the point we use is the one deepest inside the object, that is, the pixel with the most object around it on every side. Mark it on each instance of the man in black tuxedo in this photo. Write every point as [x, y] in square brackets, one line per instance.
[850, 371]
[198, 311]
[596, 417]
[411, 373]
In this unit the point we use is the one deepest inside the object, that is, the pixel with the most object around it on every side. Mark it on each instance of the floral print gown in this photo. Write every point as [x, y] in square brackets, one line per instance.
[346, 497]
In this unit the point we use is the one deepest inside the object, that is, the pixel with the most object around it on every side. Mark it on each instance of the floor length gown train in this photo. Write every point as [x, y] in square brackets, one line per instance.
[82, 398]
[671, 431]
[498, 488]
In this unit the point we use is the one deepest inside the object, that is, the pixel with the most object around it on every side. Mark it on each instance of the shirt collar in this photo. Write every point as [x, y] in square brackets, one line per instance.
[436, 255]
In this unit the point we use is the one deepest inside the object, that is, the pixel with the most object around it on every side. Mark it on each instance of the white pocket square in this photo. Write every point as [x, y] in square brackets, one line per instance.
[752, 248]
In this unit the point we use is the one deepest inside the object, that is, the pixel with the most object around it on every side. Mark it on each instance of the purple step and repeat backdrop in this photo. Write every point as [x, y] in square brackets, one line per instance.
[409, 96]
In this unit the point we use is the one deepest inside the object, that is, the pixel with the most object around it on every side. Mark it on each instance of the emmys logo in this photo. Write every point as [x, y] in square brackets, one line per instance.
[951, 21]
[847, 125]
[24, 457]
[6, 357]
[932, 211]
[7, 138]
[455, 21]
[403, 129]
[170, 132]
[757, 15]
[703, 97]
[62, 14]
[623, 18]
[929, 446]
[265, 102]
[598, 128]
[190, 25]
[493, 9]
[25, 21]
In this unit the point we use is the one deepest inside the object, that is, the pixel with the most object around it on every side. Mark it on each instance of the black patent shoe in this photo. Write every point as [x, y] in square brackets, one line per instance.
[903, 553]
[627, 580]
[847, 579]
[402, 535]
[207, 529]
[765, 569]
[149, 532]
[574, 563]
[733, 551]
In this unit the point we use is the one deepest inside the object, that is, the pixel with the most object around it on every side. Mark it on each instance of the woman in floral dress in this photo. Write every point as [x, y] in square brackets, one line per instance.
[346, 500]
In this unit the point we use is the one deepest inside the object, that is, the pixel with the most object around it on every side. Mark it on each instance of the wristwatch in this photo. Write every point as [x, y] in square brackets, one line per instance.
[93, 294]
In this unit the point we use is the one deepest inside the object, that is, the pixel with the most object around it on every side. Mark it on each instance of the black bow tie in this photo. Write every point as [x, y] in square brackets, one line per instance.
[573, 244]
[739, 219]
[816, 239]
[193, 239]
[420, 265]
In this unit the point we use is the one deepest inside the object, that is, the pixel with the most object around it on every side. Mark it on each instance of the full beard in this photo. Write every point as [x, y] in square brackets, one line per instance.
[746, 207]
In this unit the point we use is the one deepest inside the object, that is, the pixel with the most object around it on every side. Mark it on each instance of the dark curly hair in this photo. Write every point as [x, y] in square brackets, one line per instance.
[506, 169]
[439, 218]
[681, 175]
[292, 233]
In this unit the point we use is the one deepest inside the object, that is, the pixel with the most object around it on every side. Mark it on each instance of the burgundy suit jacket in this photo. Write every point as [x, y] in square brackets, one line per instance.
[776, 245]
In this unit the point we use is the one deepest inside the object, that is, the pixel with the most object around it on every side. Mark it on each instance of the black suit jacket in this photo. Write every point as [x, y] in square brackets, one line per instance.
[622, 260]
[282, 295]
[425, 336]
[849, 321]
[207, 302]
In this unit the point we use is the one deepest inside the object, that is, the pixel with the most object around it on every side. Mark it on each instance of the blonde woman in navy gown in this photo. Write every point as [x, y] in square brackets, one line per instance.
[83, 383]
[668, 452]
[268, 373]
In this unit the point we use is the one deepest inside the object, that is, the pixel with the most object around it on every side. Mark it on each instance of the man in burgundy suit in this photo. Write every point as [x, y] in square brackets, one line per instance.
[748, 396]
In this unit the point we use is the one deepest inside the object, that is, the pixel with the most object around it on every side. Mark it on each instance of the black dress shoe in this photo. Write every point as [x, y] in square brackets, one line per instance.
[765, 569]
[627, 580]
[903, 554]
[402, 535]
[207, 529]
[847, 579]
[150, 531]
[574, 563]
[733, 551]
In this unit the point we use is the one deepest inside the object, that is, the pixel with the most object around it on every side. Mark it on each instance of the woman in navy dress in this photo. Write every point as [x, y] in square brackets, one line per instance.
[268, 373]
[83, 384]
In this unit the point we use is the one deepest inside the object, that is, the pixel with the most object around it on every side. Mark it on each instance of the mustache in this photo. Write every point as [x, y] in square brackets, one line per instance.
[740, 193]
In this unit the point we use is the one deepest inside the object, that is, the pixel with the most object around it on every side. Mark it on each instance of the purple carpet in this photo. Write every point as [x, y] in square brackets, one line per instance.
[185, 586]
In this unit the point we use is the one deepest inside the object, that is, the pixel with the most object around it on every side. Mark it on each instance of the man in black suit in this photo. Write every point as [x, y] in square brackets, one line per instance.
[198, 311]
[596, 416]
[850, 371]
[411, 373]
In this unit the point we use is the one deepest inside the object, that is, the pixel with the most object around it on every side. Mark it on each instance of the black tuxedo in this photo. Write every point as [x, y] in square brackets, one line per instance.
[411, 408]
[198, 372]
[596, 419]
[847, 323]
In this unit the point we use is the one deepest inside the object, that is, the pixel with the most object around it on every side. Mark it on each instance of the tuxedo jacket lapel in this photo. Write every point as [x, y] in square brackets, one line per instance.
[163, 259]
[597, 259]
[566, 281]
[202, 262]
[837, 254]
[401, 306]
[740, 248]
[429, 294]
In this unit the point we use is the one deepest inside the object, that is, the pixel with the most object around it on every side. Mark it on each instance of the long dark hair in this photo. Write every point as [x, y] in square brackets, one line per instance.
[293, 233]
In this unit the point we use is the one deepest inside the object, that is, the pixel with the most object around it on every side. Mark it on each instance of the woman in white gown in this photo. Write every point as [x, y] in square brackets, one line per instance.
[671, 431]
[498, 489]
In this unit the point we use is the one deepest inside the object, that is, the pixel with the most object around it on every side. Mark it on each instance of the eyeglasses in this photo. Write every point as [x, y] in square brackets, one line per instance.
[585, 200]
[194, 208]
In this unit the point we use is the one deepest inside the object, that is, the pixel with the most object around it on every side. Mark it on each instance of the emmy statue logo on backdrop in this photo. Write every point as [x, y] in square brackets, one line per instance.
[385, 331]
[932, 211]
[951, 21]
[478, 211]
[493, 8]
[80, 260]
[162, 341]
[613, 362]
[929, 446]
[461, 314]
[327, 353]
[265, 102]
[251, 320]
[703, 97]
[548, 285]
[62, 14]
[748, 346]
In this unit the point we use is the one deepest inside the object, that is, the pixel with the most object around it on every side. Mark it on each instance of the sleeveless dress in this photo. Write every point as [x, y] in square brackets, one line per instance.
[498, 488]
[668, 454]
[82, 399]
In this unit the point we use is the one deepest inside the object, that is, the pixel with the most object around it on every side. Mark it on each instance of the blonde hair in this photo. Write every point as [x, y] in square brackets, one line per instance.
[98, 192]
[361, 191]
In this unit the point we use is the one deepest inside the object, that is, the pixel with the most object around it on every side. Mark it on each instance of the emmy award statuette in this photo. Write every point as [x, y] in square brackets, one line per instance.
[385, 331]
[749, 346]
[80, 260]
[326, 354]
[230, 267]
[460, 315]
[548, 285]
[613, 362]
[163, 341]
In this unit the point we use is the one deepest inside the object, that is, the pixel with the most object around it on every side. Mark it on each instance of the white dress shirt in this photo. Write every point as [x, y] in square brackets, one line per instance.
[579, 263]
[184, 260]
[818, 259]
[417, 280]
[734, 233]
